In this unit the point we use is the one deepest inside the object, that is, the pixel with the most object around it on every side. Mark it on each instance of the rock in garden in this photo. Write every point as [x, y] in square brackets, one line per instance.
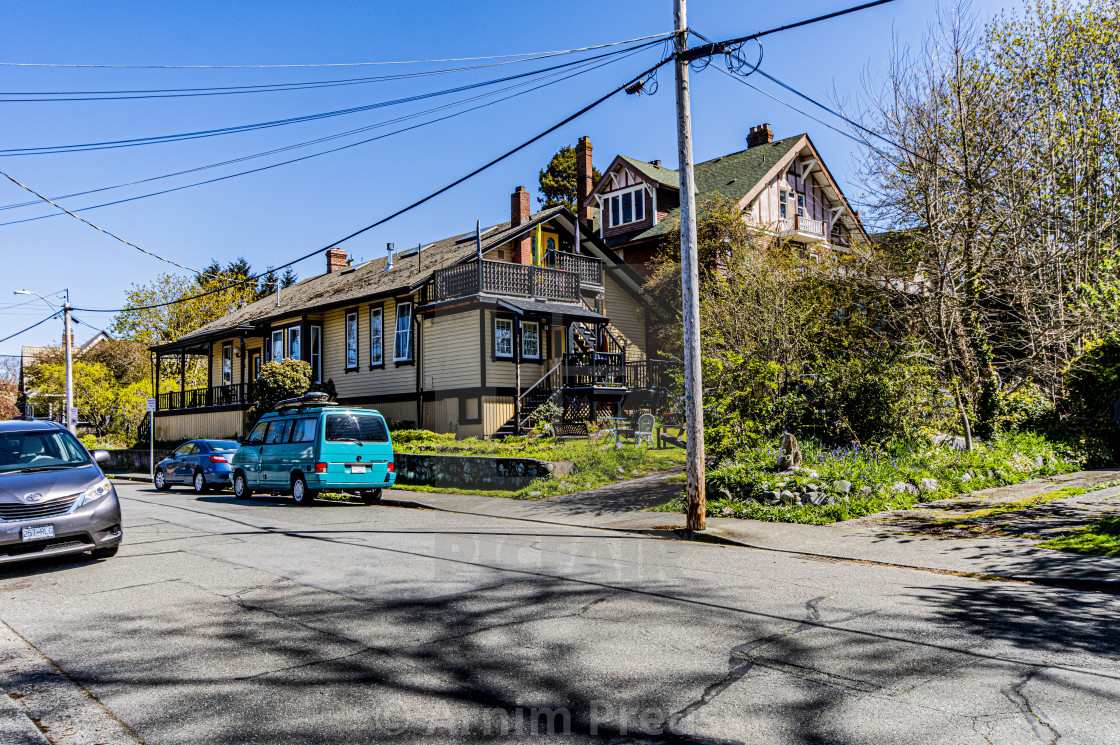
[787, 497]
[727, 512]
[1040, 461]
[829, 499]
[899, 487]
[815, 497]
[789, 454]
[535, 493]
[865, 491]
[814, 475]
[812, 487]
[621, 469]
[928, 485]
[725, 493]
[769, 496]
[966, 477]
[842, 486]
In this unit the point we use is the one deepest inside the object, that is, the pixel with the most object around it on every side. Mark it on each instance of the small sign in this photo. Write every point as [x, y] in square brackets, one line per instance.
[151, 405]
[73, 416]
[29, 411]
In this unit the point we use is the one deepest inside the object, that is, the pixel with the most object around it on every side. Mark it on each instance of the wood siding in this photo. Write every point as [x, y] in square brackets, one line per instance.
[217, 425]
[627, 321]
[450, 356]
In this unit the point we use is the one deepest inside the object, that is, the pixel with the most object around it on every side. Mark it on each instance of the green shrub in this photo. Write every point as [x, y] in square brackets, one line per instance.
[419, 436]
[279, 380]
[1025, 408]
[1092, 386]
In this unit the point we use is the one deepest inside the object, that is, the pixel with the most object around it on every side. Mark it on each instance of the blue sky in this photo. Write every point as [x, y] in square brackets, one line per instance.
[273, 216]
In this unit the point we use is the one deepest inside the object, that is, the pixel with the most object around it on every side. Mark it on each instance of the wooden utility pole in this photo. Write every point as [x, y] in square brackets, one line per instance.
[690, 283]
[71, 420]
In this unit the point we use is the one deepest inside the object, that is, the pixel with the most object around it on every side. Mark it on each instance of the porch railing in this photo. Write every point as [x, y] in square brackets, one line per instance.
[801, 224]
[651, 374]
[201, 398]
[590, 270]
[502, 278]
[594, 369]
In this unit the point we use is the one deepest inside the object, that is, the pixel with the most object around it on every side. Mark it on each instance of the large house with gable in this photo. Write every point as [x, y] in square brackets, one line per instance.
[472, 333]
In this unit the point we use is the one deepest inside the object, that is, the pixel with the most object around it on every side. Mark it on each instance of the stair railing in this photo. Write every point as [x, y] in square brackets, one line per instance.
[554, 372]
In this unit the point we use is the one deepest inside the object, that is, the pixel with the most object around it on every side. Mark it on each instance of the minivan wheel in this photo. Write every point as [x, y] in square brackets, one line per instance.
[161, 480]
[241, 488]
[200, 485]
[371, 496]
[104, 553]
[302, 495]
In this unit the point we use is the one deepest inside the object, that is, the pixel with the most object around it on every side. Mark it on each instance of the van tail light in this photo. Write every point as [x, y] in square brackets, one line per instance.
[320, 468]
[218, 459]
[390, 466]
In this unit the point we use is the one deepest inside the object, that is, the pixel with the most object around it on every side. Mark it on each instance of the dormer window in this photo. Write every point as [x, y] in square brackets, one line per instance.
[625, 207]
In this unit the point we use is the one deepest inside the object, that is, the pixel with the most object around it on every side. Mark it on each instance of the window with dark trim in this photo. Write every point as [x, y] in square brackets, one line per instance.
[277, 345]
[530, 340]
[503, 337]
[316, 354]
[376, 333]
[352, 340]
[402, 345]
[295, 335]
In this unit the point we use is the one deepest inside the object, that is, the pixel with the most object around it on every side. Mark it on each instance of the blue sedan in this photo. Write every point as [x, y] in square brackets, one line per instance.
[203, 464]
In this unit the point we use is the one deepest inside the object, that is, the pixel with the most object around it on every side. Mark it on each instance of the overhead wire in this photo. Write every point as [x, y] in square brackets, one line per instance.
[538, 55]
[38, 323]
[199, 134]
[568, 76]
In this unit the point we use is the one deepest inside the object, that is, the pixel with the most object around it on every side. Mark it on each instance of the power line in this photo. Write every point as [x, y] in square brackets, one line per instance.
[142, 94]
[159, 139]
[37, 323]
[321, 139]
[538, 55]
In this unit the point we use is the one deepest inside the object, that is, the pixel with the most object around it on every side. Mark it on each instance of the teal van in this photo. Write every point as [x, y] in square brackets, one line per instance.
[308, 445]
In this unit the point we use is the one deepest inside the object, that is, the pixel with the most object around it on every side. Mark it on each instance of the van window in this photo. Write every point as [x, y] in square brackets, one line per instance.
[303, 430]
[257, 437]
[278, 432]
[354, 426]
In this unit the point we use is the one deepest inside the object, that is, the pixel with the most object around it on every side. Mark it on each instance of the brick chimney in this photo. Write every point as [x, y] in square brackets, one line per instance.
[336, 259]
[584, 179]
[760, 135]
[518, 214]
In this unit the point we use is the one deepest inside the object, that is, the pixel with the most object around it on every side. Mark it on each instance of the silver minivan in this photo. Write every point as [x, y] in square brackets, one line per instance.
[54, 499]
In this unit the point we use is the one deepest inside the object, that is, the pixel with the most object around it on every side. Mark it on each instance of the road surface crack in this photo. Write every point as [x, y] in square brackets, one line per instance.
[1043, 730]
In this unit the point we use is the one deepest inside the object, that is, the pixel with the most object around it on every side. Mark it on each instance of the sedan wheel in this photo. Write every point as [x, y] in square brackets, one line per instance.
[303, 496]
[200, 485]
[161, 481]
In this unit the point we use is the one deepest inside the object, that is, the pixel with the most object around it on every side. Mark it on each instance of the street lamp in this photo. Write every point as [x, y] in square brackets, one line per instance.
[71, 422]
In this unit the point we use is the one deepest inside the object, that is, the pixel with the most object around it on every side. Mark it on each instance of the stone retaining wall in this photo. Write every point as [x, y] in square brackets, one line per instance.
[475, 471]
[132, 460]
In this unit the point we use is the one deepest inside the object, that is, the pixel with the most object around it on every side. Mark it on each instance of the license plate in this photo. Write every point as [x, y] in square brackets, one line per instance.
[357, 469]
[38, 532]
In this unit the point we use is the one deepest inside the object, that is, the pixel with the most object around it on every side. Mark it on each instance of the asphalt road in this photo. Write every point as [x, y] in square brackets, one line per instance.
[225, 622]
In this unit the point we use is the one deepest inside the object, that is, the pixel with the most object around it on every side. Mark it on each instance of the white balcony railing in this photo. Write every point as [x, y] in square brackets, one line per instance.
[800, 226]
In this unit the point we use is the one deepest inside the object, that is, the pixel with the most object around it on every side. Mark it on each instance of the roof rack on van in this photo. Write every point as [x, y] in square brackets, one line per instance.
[307, 400]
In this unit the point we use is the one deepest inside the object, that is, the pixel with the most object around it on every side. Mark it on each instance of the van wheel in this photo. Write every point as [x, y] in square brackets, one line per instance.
[302, 495]
[200, 485]
[371, 496]
[241, 488]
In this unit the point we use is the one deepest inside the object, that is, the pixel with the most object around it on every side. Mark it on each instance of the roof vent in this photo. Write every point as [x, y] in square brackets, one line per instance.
[655, 163]
[389, 263]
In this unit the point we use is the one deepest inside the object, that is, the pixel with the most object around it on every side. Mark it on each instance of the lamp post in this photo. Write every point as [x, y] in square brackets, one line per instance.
[71, 423]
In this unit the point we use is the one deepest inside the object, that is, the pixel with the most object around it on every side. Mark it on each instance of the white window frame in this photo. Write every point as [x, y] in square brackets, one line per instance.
[295, 341]
[351, 339]
[536, 336]
[376, 335]
[506, 326]
[637, 207]
[277, 344]
[404, 355]
[227, 363]
[783, 200]
[316, 353]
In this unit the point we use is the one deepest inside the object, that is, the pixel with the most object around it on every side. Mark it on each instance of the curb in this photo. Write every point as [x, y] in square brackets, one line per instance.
[16, 727]
[129, 477]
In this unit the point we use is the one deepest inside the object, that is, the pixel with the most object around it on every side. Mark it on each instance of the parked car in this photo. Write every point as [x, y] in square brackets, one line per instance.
[203, 464]
[308, 445]
[54, 499]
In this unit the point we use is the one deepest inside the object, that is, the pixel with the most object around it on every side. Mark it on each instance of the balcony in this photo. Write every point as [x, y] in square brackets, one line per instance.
[802, 229]
[502, 278]
[594, 370]
[203, 398]
[590, 270]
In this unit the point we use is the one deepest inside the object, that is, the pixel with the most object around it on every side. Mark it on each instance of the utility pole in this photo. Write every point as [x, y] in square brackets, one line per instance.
[70, 423]
[690, 283]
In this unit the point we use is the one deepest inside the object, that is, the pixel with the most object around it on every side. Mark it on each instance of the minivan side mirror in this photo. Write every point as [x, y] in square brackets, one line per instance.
[101, 456]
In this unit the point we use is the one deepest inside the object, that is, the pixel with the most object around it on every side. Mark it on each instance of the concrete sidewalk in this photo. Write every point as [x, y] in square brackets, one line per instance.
[1007, 558]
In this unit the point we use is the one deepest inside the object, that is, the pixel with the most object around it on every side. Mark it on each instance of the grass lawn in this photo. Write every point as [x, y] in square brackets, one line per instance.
[1101, 538]
[1016, 506]
[593, 464]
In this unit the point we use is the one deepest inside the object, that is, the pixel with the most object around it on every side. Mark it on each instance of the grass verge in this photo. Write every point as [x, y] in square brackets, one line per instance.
[1101, 538]
[1016, 506]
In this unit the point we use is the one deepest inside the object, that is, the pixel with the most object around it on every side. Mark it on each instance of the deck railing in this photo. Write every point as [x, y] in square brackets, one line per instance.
[590, 270]
[202, 398]
[651, 374]
[502, 278]
[803, 225]
[594, 370]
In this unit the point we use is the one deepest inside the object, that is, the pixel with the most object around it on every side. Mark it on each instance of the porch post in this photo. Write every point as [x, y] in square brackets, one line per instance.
[182, 377]
[159, 363]
[241, 380]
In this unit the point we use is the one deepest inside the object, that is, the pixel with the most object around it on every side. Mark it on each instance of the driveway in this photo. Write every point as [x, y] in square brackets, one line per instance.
[225, 622]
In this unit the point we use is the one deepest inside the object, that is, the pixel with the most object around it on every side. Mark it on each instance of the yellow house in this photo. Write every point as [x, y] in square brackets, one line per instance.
[469, 334]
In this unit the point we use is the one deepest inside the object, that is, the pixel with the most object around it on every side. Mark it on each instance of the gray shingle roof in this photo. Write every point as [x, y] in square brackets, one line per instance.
[369, 279]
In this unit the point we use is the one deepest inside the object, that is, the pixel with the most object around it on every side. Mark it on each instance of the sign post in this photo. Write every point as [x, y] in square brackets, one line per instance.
[152, 439]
